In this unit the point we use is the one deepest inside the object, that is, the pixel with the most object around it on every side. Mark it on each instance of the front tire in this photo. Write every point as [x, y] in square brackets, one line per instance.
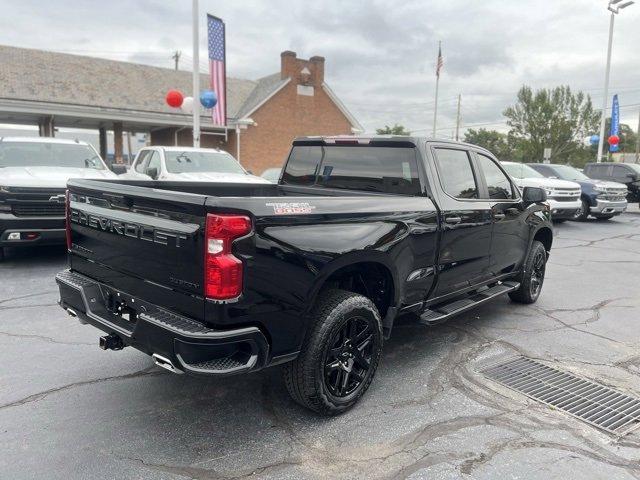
[339, 356]
[532, 276]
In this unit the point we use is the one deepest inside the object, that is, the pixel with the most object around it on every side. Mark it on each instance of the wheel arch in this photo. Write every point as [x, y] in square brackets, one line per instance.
[545, 236]
[370, 276]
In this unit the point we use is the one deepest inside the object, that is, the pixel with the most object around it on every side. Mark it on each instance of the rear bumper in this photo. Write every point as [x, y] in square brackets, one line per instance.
[606, 207]
[32, 230]
[189, 345]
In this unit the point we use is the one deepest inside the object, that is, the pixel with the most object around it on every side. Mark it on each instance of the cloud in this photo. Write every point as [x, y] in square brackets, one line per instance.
[380, 54]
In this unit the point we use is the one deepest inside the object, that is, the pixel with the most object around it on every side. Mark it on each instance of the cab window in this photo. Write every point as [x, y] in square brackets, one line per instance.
[143, 156]
[498, 185]
[154, 163]
[456, 174]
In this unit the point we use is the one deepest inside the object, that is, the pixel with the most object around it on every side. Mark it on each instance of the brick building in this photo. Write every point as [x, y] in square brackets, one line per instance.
[52, 90]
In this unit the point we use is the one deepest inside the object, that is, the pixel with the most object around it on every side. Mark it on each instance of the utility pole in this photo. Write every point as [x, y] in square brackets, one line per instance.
[176, 57]
[458, 118]
[638, 141]
[196, 76]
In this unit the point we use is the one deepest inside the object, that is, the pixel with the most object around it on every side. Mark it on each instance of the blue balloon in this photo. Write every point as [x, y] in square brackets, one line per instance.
[594, 139]
[208, 99]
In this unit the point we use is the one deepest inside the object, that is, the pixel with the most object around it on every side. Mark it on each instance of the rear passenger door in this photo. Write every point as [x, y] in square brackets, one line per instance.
[465, 244]
[510, 232]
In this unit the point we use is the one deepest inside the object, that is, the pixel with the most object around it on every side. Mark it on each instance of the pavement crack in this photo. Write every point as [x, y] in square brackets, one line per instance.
[44, 338]
[151, 371]
[20, 297]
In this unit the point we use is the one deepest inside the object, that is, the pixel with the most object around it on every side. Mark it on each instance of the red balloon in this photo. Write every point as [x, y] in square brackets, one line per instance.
[614, 140]
[174, 98]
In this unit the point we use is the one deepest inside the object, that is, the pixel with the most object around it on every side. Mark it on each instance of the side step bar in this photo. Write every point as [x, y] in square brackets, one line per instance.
[444, 311]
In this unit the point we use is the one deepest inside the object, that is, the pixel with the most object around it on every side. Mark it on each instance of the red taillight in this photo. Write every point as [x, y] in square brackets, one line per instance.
[67, 214]
[223, 271]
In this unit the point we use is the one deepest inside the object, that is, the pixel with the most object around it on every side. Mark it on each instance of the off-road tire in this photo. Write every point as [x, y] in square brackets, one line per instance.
[305, 376]
[526, 293]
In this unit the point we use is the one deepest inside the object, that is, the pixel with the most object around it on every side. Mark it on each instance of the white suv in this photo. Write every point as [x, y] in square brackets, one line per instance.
[188, 164]
[563, 196]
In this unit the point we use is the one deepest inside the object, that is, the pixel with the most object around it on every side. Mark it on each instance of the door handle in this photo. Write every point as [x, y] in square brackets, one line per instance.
[498, 216]
[453, 220]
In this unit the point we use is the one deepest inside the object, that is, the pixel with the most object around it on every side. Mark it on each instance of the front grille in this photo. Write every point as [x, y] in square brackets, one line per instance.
[38, 210]
[565, 199]
[34, 202]
[596, 404]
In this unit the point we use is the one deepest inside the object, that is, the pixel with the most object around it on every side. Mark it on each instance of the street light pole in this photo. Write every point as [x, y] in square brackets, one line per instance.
[614, 8]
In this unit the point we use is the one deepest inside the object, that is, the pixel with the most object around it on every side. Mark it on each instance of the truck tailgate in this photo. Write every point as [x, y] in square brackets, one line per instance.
[122, 234]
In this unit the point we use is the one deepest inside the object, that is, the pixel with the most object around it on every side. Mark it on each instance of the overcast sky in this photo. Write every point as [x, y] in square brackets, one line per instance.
[380, 55]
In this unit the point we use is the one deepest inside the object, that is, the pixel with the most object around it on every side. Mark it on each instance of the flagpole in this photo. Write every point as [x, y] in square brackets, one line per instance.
[435, 109]
[196, 77]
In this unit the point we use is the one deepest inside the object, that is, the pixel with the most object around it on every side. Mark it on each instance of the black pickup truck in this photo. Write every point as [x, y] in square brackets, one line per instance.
[219, 279]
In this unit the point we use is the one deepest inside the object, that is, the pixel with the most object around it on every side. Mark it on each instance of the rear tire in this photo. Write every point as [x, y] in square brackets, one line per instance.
[339, 355]
[532, 276]
[602, 218]
[1, 254]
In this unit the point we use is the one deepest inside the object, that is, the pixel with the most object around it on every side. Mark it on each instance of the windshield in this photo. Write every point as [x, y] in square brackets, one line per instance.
[520, 170]
[271, 174]
[186, 162]
[33, 154]
[565, 172]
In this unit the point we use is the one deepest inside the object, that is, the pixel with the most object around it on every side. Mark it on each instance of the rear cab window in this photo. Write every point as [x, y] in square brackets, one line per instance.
[380, 169]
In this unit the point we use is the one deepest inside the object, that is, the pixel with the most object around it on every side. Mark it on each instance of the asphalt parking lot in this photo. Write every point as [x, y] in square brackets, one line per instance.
[69, 410]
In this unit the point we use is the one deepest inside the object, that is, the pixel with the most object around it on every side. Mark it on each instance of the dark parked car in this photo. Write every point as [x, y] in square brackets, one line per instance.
[217, 279]
[627, 173]
[601, 199]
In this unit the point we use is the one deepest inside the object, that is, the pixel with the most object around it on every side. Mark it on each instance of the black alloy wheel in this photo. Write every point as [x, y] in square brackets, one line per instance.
[532, 276]
[537, 273]
[340, 353]
[347, 360]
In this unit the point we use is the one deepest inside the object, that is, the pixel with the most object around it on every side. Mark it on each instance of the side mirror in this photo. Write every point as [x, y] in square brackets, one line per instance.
[118, 168]
[533, 195]
[152, 172]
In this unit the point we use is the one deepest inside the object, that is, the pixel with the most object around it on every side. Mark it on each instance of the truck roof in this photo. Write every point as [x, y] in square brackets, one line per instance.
[186, 149]
[364, 139]
[61, 141]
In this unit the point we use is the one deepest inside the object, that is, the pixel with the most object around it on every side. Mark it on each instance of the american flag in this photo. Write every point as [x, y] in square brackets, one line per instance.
[215, 28]
[440, 63]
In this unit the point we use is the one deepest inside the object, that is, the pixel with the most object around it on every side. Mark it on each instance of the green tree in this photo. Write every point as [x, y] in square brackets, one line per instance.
[500, 144]
[551, 118]
[395, 130]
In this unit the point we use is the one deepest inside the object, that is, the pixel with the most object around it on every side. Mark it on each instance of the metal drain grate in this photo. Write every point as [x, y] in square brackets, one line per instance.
[595, 404]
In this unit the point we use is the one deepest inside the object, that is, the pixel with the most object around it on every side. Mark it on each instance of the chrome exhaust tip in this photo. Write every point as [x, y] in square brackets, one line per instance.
[72, 313]
[165, 363]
